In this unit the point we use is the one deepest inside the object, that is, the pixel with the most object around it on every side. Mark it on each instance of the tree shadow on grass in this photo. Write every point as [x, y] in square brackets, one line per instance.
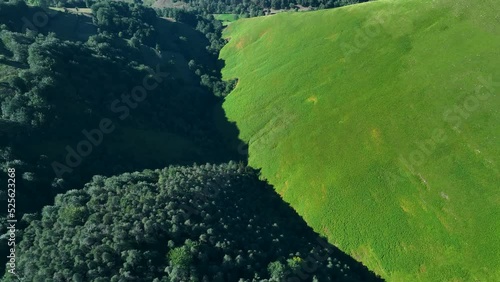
[271, 218]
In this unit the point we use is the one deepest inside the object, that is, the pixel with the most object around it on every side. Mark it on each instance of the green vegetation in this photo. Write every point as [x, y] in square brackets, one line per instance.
[379, 124]
[255, 7]
[226, 19]
[55, 85]
[88, 95]
[199, 223]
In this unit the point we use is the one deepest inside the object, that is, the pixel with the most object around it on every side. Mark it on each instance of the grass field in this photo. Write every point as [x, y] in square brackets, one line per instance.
[379, 123]
[226, 18]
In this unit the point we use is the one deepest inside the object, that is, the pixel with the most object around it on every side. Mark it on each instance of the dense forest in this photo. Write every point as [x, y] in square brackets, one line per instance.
[50, 100]
[199, 223]
[155, 90]
[122, 90]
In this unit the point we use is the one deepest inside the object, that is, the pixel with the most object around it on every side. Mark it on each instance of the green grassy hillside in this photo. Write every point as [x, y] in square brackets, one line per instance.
[226, 19]
[379, 123]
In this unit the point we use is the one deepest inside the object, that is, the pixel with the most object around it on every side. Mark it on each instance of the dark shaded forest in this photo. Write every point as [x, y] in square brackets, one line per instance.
[50, 102]
[134, 76]
[199, 223]
[123, 90]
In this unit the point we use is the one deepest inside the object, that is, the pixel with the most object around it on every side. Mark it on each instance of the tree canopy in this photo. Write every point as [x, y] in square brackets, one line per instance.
[198, 223]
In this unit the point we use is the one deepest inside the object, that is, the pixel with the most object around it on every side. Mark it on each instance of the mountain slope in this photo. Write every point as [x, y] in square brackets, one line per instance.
[379, 124]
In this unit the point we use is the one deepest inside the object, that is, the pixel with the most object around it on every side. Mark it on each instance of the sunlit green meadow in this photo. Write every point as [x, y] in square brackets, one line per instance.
[380, 124]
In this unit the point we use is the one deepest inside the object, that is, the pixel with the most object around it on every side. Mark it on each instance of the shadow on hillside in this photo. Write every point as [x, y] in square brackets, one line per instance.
[272, 218]
[131, 148]
[71, 26]
[190, 128]
[302, 237]
[67, 26]
[183, 39]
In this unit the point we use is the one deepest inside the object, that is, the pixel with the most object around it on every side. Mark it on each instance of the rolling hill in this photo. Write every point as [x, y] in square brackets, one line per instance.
[379, 124]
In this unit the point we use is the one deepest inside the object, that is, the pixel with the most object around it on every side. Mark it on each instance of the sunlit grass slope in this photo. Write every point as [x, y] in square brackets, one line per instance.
[380, 124]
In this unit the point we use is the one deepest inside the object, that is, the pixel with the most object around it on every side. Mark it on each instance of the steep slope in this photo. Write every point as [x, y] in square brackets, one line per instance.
[379, 124]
